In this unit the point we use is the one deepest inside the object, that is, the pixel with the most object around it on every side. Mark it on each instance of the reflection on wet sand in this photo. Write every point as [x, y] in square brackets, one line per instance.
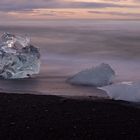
[54, 85]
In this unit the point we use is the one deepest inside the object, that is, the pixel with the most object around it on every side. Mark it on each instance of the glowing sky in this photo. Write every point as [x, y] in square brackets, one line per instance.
[69, 9]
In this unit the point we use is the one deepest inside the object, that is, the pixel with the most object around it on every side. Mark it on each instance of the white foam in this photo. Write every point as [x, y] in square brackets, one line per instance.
[127, 91]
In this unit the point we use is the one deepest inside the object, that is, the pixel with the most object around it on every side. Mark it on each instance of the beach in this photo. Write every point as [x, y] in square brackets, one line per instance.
[45, 106]
[53, 117]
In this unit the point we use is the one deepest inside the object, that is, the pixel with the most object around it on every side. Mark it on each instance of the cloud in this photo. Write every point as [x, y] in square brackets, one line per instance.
[25, 5]
[132, 1]
[43, 9]
[116, 0]
[116, 13]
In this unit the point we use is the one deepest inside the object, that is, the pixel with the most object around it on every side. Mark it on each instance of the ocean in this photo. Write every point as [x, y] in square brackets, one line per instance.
[69, 46]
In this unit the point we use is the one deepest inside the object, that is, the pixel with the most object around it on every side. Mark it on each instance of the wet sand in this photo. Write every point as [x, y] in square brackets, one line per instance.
[49, 85]
[27, 117]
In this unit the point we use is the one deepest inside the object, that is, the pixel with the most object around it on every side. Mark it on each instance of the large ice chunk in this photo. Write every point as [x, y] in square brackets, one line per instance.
[127, 91]
[18, 58]
[99, 76]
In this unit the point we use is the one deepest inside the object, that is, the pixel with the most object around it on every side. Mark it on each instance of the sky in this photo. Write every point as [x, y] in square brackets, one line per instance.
[68, 9]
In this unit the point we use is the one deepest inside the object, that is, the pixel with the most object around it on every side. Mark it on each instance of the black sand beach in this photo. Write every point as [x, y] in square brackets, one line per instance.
[30, 117]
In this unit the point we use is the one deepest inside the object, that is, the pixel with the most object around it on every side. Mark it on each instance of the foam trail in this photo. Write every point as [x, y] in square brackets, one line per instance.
[127, 91]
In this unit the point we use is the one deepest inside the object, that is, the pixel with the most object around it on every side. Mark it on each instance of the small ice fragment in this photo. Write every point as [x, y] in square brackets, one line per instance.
[101, 75]
[18, 58]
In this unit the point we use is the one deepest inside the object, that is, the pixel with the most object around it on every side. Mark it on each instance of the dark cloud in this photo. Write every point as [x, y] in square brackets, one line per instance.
[137, 0]
[116, 13]
[25, 5]
[120, 0]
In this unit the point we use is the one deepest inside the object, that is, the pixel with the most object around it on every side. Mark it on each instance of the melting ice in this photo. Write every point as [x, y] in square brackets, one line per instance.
[101, 75]
[18, 58]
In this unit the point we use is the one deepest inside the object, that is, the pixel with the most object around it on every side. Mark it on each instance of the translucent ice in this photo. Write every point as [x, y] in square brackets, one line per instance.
[18, 58]
[127, 91]
[99, 76]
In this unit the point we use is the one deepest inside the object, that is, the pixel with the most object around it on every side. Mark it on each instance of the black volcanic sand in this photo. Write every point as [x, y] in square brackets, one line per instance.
[31, 117]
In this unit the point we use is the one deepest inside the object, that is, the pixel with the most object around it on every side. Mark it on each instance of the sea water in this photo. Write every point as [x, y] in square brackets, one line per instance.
[68, 47]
